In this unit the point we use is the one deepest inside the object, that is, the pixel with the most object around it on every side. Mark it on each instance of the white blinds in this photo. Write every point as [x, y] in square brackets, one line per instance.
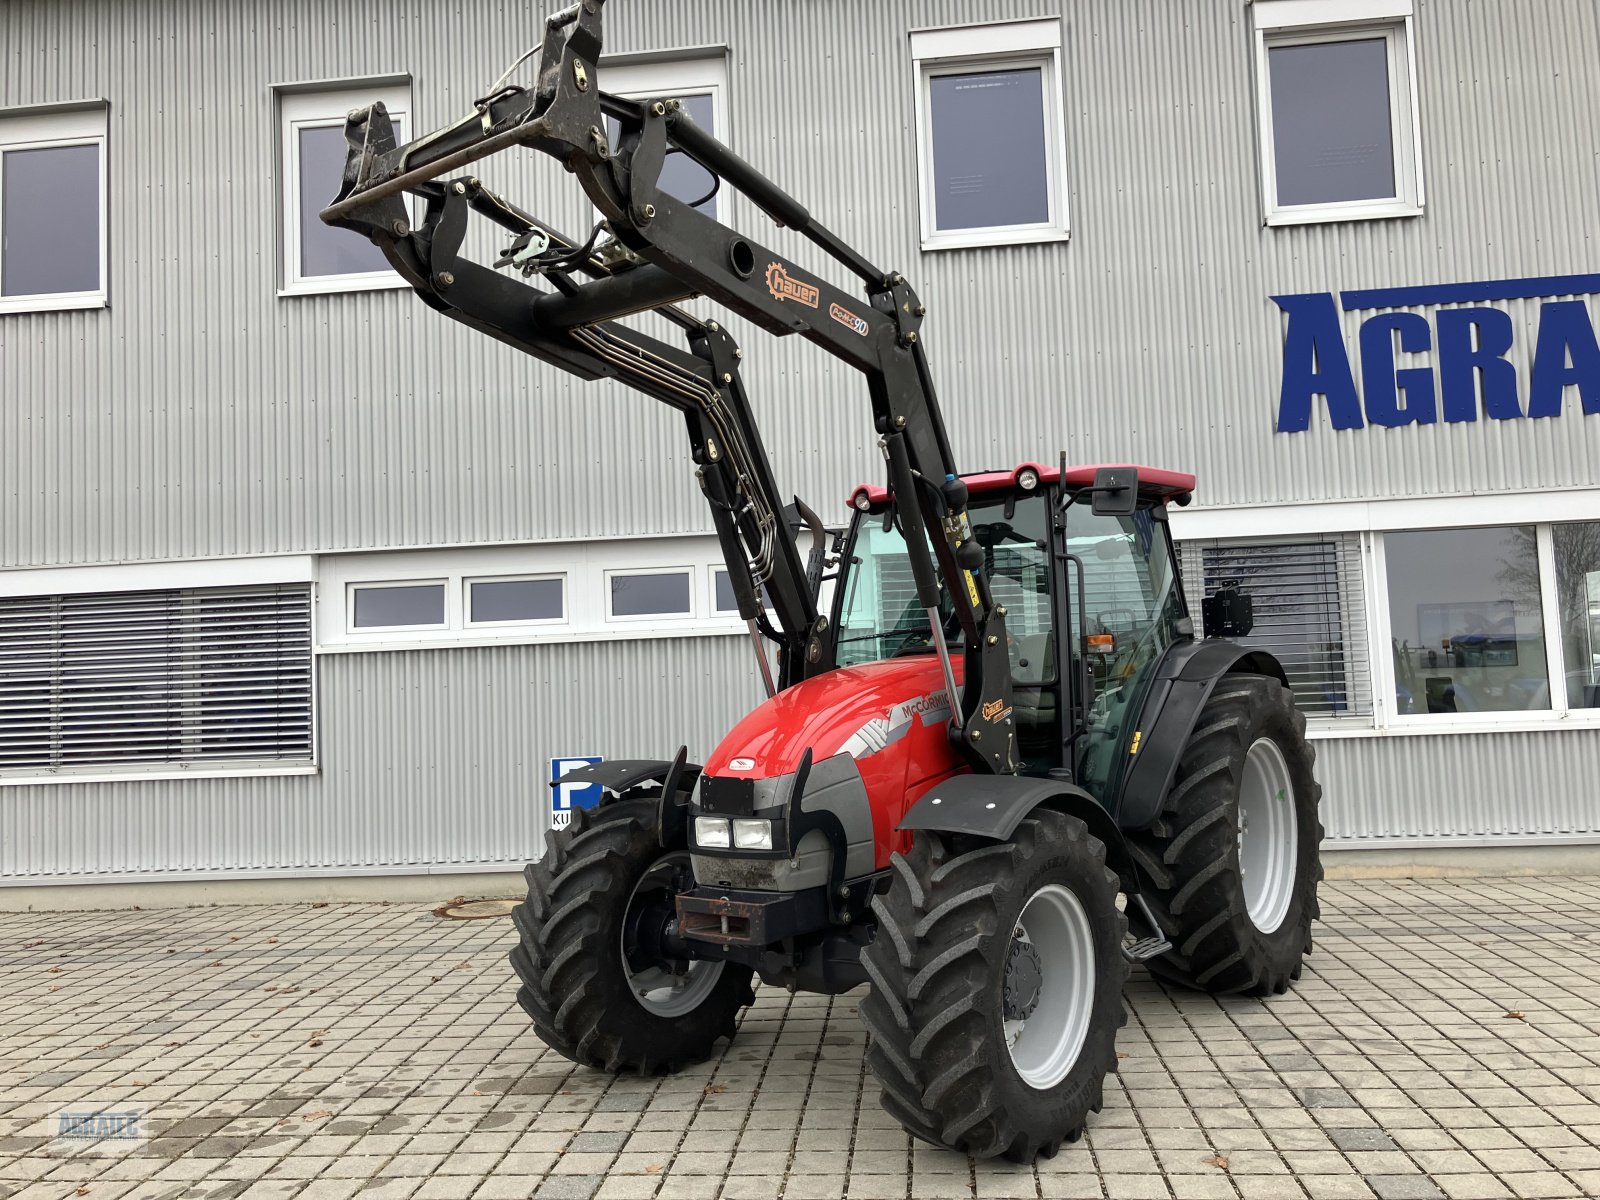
[1307, 600]
[145, 678]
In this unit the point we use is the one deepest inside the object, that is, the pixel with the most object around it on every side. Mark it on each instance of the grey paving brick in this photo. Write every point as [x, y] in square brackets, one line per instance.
[1389, 1070]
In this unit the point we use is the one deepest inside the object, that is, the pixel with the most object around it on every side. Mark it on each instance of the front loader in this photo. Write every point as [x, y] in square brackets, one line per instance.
[988, 715]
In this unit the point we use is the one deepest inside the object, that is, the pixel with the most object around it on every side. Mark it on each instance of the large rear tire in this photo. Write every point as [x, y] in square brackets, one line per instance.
[601, 893]
[1230, 867]
[996, 993]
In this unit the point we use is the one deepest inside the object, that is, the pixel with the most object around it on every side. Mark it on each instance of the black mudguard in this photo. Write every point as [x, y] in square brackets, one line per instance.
[1183, 682]
[993, 806]
[674, 776]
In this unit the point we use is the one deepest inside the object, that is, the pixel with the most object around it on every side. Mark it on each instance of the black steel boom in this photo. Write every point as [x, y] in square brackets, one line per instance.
[661, 251]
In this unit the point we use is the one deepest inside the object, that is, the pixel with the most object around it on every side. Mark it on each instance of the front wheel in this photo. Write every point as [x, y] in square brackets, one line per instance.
[593, 953]
[996, 995]
[1230, 866]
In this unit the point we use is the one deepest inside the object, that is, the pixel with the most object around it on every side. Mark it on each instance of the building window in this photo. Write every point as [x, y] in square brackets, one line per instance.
[648, 594]
[115, 680]
[1466, 620]
[1306, 608]
[723, 599]
[701, 85]
[1338, 110]
[52, 210]
[1576, 548]
[318, 257]
[990, 147]
[397, 605]
[517, 600]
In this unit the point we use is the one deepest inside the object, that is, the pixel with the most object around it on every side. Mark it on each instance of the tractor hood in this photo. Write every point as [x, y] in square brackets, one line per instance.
[858, 710]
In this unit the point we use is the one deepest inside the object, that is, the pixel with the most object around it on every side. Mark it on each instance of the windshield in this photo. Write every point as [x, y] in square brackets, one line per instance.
[880, 617]
[1131, 606]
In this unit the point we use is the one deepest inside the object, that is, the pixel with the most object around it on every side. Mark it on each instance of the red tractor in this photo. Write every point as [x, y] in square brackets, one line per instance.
[990, 715]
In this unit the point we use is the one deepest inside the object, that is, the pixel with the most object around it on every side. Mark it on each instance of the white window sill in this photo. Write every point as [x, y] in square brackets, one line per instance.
[1322, 214]
[57, 302]
[539, 636]
[1474, 724]
[332, 285]
[971, 238]
[155, 771]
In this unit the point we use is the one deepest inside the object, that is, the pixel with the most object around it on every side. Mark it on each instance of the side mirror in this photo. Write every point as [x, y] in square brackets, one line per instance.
[1115, 491]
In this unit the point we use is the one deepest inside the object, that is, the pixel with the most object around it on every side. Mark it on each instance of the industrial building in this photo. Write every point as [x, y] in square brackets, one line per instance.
[299, 579]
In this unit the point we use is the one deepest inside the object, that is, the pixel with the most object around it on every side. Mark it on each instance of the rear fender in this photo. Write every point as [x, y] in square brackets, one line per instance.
[992, 806]
[669, 780]
[1184, 681]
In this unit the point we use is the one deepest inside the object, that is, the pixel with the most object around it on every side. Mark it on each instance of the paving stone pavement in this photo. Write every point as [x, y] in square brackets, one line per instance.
[1444, 1042]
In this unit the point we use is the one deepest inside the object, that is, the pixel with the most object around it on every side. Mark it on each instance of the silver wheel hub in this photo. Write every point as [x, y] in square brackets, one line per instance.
[674, 989]
[1269, 835]
[1047, 994]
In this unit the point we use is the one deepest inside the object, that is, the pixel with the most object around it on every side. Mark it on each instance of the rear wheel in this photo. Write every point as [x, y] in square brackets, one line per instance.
[1231, 866]
[997, 988]
[593, 955]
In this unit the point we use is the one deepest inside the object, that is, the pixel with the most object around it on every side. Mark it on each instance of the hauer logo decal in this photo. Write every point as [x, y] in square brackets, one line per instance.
[848, 319]
[1471, 362]
[994, 710]
[785, 286]
[564, 797]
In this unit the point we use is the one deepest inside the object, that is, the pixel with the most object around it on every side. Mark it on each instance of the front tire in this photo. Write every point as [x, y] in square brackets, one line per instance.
[996, 993]
[598, 896]
[1231, 865]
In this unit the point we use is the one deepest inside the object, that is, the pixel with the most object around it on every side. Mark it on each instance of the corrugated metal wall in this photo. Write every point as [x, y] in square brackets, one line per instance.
[1460, 788]
[202, 415]
[430, 759]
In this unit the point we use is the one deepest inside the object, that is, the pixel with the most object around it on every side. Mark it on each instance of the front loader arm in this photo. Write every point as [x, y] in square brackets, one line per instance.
[664, 251]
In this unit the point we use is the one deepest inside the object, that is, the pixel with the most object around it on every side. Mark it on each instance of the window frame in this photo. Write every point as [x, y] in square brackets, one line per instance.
[371, 585]
[675, 74]
[1316, 22]
[992, 46]
[1371, 520]
[467, 582]
[46, 127]
[322, 106]
[166, 576]
[686, 570]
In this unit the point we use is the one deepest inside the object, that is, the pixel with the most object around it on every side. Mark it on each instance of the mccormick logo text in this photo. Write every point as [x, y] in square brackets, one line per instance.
[785, 286]
[1457, 363]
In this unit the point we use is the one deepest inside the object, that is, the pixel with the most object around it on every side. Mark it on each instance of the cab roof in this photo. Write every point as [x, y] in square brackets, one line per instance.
[1154, 482]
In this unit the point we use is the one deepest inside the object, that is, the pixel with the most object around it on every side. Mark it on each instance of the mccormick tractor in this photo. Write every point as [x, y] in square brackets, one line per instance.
[988, 715]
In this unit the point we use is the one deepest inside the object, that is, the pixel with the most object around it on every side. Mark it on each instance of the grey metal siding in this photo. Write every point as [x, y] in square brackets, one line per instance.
[201, 415]
[433, 759]
[1461, 788]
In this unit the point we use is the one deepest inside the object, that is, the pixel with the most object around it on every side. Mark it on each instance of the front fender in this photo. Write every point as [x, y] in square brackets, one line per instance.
[992, 806]
[1184, 681]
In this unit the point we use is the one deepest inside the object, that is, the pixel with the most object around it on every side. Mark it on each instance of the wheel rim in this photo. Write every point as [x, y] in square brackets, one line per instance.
[1268, 835]
[1048, 988]
[660, 991]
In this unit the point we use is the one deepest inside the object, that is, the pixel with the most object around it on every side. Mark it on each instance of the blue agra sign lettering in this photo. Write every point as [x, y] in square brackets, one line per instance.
[1469, 346]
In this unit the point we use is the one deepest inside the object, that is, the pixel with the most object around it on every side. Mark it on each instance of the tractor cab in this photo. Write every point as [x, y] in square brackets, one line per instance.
[1092, 597]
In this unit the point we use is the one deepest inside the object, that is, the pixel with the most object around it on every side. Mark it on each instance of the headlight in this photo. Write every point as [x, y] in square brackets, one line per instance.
[711, 832]
[862, 500]
[1027, 479]
[752, 835]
